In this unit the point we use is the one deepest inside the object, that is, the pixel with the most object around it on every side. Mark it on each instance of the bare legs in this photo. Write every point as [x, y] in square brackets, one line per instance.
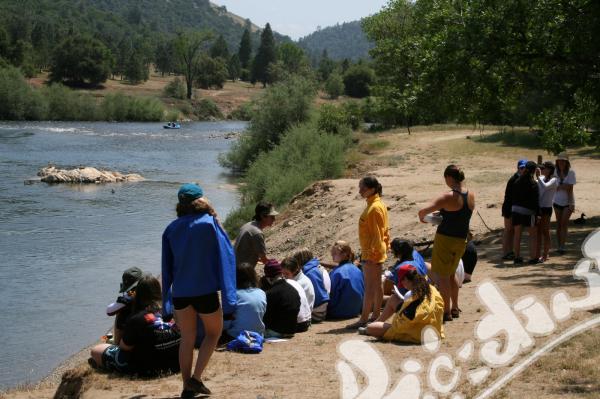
[213, 325]
[562, 226]
[377, 329]
[543, 238]
[390, 307]
[373, 291]
[507, 237]
[532, 232]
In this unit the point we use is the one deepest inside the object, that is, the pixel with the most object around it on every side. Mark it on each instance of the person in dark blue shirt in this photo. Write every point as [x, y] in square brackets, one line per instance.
[197, 262]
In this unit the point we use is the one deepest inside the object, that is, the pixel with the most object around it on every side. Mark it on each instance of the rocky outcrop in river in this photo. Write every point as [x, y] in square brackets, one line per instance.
[84, 175]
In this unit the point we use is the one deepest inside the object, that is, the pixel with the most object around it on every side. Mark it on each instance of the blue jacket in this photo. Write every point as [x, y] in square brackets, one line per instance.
[347, 292]
[312, 271]
[197, 259]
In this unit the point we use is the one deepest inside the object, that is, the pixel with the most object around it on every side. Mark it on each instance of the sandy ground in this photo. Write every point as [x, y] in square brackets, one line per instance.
[410, 169]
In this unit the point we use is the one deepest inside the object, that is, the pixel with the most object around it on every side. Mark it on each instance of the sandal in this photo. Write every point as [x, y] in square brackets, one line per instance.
[455, 313]
[447, 317]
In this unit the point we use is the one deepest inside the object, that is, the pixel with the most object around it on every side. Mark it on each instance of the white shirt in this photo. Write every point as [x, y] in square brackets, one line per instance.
[547, 191]
[305, 313]
[562, 197]
[308, 288]
[326, 279]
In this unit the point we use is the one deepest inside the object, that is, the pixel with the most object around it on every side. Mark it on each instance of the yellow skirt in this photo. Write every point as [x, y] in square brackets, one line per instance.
[447, 252]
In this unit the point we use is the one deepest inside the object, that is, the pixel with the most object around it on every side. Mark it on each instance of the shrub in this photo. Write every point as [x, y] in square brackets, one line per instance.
[279, 107]
[66, 105]
[357, 80]
[118, 107]
[18, 100]
[305, 154]
[175, 89]
[242, 113]
[332, 120]
[334, 86]
[562, 129]
[206, 109]
[354, 114]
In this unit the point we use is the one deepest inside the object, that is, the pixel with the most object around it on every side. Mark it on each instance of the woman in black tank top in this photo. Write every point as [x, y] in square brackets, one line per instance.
[456, 208]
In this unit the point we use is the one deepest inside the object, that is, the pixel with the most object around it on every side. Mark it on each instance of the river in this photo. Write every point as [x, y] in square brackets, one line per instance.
[63, 247]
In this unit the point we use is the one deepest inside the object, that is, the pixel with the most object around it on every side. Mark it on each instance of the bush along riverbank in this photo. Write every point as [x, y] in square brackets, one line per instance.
[20, 101]
[288, 145]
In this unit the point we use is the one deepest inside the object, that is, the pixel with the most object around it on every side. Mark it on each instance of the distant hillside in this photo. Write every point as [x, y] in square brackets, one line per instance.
[341, 41]
[110, 19]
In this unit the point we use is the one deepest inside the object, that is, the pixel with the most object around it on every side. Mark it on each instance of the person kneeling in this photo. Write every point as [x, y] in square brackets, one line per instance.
[425, 307]
[149, 345]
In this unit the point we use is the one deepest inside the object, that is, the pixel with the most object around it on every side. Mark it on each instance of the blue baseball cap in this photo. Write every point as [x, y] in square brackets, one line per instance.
[522, 163]
[189, 192]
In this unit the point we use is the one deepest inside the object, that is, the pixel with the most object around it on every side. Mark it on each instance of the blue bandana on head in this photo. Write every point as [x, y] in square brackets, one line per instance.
[189, 192]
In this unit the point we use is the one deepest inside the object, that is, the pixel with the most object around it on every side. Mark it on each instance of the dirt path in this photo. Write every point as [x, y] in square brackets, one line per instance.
[410, 168]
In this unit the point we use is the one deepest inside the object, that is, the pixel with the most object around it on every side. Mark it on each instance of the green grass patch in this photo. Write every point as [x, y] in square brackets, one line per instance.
[515, 138]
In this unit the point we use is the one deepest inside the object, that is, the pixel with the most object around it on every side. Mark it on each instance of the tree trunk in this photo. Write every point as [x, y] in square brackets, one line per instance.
[189, 89]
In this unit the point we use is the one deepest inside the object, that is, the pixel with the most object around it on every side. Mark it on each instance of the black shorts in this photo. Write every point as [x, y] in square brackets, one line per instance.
[560, 207]
[202, 304]
[546, 211]
[506, 211]
[518, 219]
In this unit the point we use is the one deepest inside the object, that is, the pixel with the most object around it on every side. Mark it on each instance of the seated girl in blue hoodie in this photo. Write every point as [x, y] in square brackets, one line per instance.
[347, 284]
[319, 279]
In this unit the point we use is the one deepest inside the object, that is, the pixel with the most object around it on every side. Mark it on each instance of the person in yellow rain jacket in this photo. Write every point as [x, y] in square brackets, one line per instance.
[423, 306]
[374, 238]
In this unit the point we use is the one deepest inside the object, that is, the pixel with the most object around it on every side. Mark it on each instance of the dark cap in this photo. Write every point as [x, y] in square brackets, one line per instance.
[189, 192]
[130, 279]
[273, 268]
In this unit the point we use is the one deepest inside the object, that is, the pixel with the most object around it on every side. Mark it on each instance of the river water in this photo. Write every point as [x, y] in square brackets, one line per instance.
[63, 247]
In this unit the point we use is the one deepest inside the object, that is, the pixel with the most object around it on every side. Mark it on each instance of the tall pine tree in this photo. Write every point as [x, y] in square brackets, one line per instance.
[266, 55]
[245, 51]
[220, 49]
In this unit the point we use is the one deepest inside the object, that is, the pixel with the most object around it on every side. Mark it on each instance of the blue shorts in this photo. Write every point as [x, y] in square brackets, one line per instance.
[116, 359]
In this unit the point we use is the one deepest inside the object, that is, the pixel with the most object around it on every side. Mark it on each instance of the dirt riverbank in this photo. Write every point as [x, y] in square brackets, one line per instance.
[410, 169]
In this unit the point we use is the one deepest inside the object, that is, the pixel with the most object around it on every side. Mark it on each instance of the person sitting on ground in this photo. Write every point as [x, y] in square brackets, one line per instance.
[292, 270]
[283, 303]
[399, 294]
[149, 345]
[122, 307]
[508, 232]
[347, 284]
[297, 279]
[250, 244]
[425, 307]
[319, 278]
[525, 212]
[251, 305]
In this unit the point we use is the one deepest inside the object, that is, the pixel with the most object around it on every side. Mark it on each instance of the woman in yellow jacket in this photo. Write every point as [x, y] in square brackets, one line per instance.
[374, 237]
[423, 307]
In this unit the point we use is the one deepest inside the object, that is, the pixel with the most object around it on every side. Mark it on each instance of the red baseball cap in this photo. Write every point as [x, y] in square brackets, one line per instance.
[402, 271]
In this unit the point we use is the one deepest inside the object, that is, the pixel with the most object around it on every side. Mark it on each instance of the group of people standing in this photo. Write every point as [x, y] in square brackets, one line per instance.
[530, 197]
[199, 260]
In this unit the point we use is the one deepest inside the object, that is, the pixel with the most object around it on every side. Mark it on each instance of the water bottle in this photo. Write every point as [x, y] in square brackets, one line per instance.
[433, 218]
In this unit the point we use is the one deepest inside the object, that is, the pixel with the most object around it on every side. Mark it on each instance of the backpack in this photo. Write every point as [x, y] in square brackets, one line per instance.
[247, 342]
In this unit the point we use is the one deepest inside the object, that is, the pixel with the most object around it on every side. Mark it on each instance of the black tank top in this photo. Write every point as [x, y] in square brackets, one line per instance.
[456, 223]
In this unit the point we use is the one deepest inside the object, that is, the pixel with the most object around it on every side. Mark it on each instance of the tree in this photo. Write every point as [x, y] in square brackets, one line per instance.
[163, 56]
[293, 58]
[212, 72]
[265, 55]
[357, 80]
[188, 48]
[334, 86]
[81, 60]
[326, 66]
[220, 49]
[245, 50]
[234, 67]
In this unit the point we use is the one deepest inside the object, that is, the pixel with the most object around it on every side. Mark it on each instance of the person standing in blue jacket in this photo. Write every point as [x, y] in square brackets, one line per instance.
[319, 279]
[347, 284]
[197, 262]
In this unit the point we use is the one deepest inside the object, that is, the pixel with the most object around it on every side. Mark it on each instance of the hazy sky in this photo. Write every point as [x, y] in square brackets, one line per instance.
[297, 18]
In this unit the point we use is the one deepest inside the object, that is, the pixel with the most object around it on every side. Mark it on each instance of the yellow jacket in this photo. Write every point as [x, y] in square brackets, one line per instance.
[429, 313]
[374, 231]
